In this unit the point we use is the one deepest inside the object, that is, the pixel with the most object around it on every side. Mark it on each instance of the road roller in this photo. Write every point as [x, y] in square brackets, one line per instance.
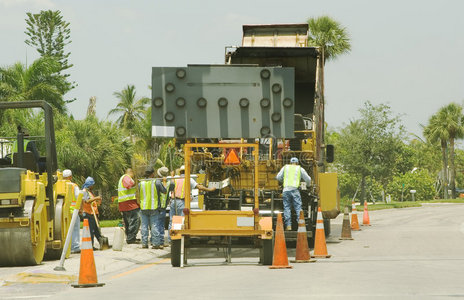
[34, 197]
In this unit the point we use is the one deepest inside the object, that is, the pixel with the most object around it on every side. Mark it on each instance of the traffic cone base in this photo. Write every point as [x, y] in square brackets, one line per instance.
[87, 269]
[320, 247]
[280, 258]
[302, 250]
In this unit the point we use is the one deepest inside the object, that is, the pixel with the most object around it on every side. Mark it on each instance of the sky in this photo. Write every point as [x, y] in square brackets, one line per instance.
[406, 54]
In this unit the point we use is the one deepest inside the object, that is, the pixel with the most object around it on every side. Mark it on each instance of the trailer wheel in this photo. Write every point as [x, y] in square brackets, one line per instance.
[175, 253]
[267, 252]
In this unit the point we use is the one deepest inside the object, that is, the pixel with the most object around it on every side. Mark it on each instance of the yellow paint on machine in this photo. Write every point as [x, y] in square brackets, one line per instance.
[329, 194]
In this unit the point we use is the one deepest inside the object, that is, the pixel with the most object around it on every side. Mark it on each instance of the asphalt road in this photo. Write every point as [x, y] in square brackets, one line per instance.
[410, 253]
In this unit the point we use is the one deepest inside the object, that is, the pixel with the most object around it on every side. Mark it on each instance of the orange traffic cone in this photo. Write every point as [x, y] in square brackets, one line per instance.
[320, 247]
[346, 228]
[87, 271]
[366, 221]
[354, 218]
[280, 259]
[302, 250]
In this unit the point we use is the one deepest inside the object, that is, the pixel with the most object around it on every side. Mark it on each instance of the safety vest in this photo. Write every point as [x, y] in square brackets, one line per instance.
[292, 176]
[125, 194]
[179, 188]
[72, 207]
[149, 195]
[164, 197]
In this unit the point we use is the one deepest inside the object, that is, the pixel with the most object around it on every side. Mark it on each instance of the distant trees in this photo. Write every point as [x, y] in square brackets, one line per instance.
[330, 35]
[370, 146]
[445, 127]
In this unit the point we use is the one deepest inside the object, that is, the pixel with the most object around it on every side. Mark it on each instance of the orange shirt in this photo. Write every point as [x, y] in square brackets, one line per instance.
[87, 205]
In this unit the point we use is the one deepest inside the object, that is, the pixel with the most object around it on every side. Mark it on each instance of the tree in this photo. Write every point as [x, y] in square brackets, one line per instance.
[370, 146]
[49, 33]
[39, 81]
[328, 34]
[130, 109]
[445, 126]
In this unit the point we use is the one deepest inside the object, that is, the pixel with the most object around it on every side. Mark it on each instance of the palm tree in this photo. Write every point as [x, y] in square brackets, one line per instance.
[130, 109]
[328, 34]
[39, 81]
[434, 132]
[454, 124]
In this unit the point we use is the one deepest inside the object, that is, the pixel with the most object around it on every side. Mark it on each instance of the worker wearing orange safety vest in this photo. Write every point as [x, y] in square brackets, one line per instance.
[75, 243]
[291, 176]
[178, 199]
[128, 206]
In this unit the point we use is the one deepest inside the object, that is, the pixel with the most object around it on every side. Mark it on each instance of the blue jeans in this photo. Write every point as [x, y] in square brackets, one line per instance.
[177, 209]
[291, 198]
[153, 221]
[131, 223]
[76, 236]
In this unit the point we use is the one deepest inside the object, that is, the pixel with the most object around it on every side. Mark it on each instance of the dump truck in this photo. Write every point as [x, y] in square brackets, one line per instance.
[34, 197]
[268, 93]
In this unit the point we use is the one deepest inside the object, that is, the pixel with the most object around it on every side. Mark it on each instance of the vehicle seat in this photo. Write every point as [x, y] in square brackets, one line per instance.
[29, 162]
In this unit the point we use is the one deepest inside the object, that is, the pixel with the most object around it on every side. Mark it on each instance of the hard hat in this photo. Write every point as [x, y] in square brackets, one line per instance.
[182, 168]
[67, 173]
[294, 160]
[149, 171]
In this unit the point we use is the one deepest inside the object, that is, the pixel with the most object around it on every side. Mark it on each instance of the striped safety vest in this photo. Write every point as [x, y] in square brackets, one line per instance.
[179, 188]
[72, 207]
[292, 174]
[149, 196]
[164, 197]
[125, 194]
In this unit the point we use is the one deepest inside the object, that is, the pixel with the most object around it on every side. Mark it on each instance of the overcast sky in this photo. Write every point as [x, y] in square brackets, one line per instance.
[407, 54]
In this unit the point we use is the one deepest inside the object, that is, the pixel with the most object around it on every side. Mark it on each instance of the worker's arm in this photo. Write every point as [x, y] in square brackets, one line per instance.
[280, 175]
[195, 185]
[128, 182]
[305, 177]
[160, 186]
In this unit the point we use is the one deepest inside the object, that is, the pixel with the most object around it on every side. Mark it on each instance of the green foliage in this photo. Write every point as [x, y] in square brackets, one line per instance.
[49, 33]
[39, 81]
[328, 34]
[130, 109]
[419, 180]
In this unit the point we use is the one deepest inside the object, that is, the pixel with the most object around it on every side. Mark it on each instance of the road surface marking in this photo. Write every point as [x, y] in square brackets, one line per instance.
[140, 268]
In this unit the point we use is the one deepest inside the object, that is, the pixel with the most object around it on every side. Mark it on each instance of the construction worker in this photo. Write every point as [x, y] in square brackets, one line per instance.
[128, 206]
[162, 173]
[178, 201]
[90, 206]
[76, 238]
[150, 205]
[291, 174]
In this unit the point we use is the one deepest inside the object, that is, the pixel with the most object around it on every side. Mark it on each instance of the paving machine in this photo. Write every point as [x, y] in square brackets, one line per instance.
[34, 198]
[269, 93]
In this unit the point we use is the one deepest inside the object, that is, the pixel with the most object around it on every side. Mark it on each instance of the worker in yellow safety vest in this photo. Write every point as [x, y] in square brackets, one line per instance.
[153, 200]
[75, 243]
[178, 199]
[291, 174]
[128, 206]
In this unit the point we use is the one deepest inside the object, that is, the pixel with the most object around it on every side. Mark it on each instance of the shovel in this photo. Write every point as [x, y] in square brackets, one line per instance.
[103, 241]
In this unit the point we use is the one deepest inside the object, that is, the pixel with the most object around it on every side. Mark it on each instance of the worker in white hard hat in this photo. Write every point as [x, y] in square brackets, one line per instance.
[178, 199]
[291, 175]
[75, 244]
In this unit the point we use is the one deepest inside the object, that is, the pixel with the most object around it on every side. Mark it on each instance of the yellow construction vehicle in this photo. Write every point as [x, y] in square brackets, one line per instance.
[269, 93]
[34, 198]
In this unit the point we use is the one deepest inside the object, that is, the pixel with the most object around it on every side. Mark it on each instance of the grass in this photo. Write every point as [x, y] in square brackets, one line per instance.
[404, 204]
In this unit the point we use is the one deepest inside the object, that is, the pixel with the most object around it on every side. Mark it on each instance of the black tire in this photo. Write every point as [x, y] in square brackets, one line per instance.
[175, 253]
[327, 227]
[267, 252]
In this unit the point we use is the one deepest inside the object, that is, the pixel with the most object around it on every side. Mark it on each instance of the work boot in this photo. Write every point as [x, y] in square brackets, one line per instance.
[157, 247]
[288, 228]
[144, 246]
